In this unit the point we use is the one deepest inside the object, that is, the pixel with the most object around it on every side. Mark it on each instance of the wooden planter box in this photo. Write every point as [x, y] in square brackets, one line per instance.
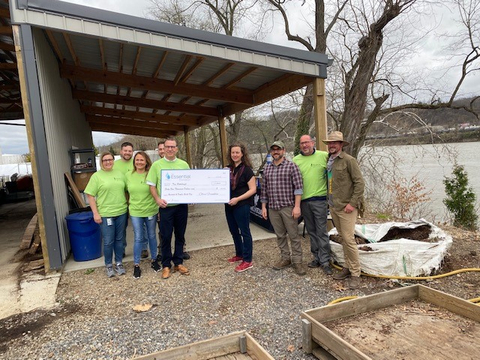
[235, 346]
[414, 322]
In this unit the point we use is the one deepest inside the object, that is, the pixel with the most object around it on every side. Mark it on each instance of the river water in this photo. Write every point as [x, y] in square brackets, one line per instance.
[430, 164]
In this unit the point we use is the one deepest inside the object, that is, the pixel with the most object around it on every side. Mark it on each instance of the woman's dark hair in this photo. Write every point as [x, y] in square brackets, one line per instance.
[147, 160]
[245, 157]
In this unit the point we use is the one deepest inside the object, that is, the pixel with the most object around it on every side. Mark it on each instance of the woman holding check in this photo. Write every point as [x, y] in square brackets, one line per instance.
[237, 211]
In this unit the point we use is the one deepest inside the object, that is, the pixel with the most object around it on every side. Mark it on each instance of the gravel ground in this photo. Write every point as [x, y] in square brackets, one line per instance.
[95, 319]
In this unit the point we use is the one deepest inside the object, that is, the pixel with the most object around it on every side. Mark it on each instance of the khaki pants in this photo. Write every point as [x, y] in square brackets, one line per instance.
[283, 223]
[345, 224]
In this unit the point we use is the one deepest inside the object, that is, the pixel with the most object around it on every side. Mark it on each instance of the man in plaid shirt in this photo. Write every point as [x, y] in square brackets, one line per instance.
[282, 189]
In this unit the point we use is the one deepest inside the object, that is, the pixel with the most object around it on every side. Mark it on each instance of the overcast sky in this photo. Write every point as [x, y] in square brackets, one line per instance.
[13, 139]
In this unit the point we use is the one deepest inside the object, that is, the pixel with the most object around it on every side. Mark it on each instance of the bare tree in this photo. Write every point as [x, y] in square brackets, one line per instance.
[365, 63]
[221, 16]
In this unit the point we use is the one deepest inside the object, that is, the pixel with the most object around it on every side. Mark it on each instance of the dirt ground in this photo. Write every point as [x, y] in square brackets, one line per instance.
[464, 254]
[418, 329]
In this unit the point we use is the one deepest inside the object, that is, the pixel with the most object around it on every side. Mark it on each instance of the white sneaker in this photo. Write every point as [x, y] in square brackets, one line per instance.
[120, 269]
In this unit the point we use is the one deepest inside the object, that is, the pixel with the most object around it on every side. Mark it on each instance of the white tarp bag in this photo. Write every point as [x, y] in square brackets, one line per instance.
[400, 257]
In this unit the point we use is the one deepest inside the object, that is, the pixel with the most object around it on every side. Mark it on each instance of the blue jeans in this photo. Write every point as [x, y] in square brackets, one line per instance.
[173, 219]
[144, 230]
[113, 234]
[238, 220]
[315, 215]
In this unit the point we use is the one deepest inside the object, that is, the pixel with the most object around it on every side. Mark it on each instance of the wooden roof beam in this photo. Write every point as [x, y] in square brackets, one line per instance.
[6, 30]
[165, 86]
[71, 49]
[176, 120]
[182, 69]
[6, 47]
[239, 78]
[192, 69]
[8, 66]
[107, 120]
[283, 85]
[5, 12]
[55, 46]
[129, 130]
[218, 74]
[145, 103]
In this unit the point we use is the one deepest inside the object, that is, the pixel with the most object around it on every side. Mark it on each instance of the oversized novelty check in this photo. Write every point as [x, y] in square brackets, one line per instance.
[206, 186]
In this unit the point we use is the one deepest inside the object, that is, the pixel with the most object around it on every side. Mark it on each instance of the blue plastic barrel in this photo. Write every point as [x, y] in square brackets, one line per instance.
[85, 236]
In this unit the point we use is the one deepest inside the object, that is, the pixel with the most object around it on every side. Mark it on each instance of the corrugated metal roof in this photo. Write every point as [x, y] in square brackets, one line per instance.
[126, 67]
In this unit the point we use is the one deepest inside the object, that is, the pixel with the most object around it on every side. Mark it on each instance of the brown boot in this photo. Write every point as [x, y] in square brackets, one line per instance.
[354, 282]
[345, 273]
[299, 269]
[166, 272]
[281, 264]
[181, 269]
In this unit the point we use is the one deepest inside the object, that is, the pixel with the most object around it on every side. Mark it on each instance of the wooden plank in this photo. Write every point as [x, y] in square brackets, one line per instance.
[414, 330]
[320, 112]
[341, 348]
[255, 350]
[223, 140]
[76, 194]
[366, 303]
[28, 124]
[335, 344]
[35, 245]
[34, 265]
[307, 343]
[452, 303]
[73, 72]
[206, 349]
[323, 354]
[29, 232]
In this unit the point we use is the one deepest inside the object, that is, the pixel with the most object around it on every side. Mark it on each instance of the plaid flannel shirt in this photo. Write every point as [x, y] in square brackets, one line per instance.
[280, 184]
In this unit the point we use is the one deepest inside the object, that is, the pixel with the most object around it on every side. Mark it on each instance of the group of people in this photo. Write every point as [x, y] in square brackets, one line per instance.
[131, 184]
[314, 183]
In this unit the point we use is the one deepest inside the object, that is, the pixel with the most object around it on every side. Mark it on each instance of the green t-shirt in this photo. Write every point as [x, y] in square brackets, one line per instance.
[154, 176]
[109, 189]
[123, 166]
[313, 168]
[141, 201]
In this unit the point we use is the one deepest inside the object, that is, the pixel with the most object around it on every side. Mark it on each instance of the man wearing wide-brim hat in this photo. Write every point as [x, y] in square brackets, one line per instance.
[345, 200]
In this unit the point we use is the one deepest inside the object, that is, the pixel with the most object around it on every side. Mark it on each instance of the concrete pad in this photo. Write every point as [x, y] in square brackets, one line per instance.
[20, 292]
[206, 228]
[9, 291]
[38, 291]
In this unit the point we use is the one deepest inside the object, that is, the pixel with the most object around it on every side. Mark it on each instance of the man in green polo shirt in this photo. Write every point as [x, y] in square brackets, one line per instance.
[173, 217]
[314, 206]
[125, 163]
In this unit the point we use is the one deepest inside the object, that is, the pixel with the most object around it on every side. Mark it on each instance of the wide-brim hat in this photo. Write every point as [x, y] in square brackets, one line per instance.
[278, 143]
[335, 136]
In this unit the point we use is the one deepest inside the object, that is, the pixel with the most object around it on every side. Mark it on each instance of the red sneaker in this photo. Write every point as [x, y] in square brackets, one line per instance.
[235, 259]
[244, 265]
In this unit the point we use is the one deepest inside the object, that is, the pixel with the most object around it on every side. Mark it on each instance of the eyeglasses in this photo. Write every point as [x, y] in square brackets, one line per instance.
[306, 142]
[107, 160]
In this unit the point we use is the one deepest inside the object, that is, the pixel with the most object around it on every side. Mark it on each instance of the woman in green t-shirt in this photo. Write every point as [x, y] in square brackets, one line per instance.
[106, 196]
[143, 211]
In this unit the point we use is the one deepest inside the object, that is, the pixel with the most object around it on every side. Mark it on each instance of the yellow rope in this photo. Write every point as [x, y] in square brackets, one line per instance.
[475, 300]
[417, 277]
